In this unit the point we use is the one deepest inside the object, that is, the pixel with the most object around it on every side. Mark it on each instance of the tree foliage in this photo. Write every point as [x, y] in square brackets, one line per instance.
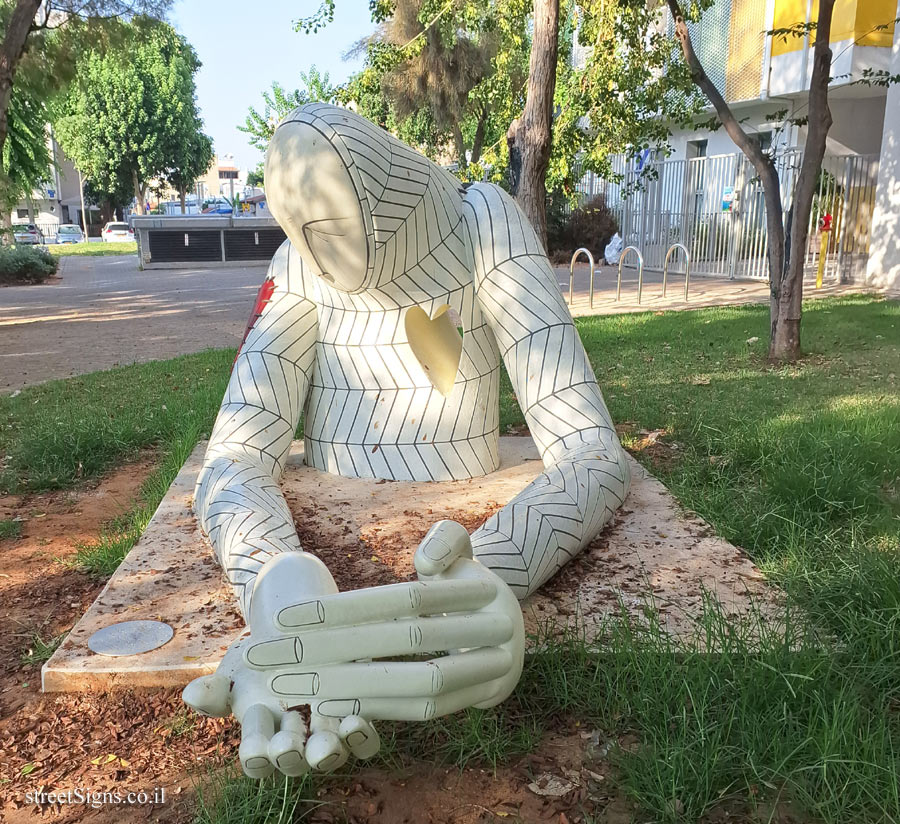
[40, 43]
[630, 89]
[131, 113]
[278, 102]
[446, 77]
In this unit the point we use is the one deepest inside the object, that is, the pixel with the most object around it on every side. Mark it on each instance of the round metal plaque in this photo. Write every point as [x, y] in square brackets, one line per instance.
[130, 638]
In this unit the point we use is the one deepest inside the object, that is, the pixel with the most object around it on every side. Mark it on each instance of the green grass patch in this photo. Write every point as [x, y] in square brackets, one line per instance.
[799, 465]
[124, 247]
[10, 528]
[227, 797]
[57, 433]
[39, 650]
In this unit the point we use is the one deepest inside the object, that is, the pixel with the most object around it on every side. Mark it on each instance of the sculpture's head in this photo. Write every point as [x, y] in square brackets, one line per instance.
[346, 194]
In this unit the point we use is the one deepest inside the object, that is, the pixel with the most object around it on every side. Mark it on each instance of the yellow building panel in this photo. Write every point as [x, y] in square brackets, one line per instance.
[872, 15]
[788, 13]
[746, 38]
[854, 20]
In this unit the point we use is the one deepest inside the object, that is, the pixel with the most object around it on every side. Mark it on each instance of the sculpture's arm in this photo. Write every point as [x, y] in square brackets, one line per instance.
[586, 476]
[237, 498]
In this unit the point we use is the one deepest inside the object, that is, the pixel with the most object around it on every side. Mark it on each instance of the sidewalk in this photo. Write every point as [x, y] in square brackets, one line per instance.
[704, 291]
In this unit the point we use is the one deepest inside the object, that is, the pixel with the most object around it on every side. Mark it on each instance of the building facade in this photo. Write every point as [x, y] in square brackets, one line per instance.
[705, 194]
[59, 200]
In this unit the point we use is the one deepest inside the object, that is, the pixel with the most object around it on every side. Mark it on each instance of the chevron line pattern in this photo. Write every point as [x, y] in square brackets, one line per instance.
[586, 475]
[342, 359]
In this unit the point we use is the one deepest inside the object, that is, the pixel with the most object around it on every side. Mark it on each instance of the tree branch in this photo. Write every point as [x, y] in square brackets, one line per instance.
[11, 51]
[729, 122]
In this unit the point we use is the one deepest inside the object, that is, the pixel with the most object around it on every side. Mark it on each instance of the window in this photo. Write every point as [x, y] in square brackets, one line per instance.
[20, 213]
[227, 174]
[697, 148]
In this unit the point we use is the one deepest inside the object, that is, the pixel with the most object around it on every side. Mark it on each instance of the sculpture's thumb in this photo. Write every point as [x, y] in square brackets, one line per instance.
[442, 546]
[209, 695]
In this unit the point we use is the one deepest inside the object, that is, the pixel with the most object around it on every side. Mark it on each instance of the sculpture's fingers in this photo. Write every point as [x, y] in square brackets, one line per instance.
[257, 728]
[209, 695]
[443, 544]
[426, 708]
[386, 603]
[359, 736]
[286, 747]
[391, 679]
[325, 751]
[383, 640]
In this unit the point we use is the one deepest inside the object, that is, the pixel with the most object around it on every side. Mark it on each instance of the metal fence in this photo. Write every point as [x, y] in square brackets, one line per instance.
[714, 206]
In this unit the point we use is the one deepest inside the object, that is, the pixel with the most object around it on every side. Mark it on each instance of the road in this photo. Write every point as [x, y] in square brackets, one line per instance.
[103, 311]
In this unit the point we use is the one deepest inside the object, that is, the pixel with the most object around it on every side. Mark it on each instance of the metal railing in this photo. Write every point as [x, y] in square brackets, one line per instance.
[640, 258]
[714, 206]
[687, 267]
[590, 257]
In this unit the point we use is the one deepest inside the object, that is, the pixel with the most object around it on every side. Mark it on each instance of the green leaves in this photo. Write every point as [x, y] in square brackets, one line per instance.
[278, 102]
[131, 113]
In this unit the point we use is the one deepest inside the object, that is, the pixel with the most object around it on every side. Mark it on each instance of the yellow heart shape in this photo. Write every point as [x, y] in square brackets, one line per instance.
[437, 345]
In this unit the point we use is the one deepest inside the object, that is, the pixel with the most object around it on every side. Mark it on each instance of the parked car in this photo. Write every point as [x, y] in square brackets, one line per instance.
[115, 232]
[28, 233]
[69, 233]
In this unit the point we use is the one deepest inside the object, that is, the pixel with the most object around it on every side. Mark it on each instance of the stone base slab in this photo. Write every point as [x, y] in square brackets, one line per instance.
[366, 532]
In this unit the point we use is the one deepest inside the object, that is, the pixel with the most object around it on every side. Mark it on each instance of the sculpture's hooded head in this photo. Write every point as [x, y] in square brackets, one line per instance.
[359, 205]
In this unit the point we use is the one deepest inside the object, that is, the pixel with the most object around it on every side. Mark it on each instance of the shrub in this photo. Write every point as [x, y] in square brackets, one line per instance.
[591, 225]
[26, 264]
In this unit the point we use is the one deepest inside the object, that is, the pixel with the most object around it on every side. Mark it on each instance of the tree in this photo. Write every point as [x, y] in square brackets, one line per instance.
[446, 77]
[131, 110]
[256, 177]
[27, 21]
[278, 103]
[529, 136]
[630, 88]
[786, 243]
[432, 61]
[192, 156]
[25, 154]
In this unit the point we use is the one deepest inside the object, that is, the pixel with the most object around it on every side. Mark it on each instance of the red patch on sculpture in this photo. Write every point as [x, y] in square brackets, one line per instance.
[263, 296]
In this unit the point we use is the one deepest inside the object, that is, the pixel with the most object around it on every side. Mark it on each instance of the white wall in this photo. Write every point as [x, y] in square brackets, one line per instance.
[883, 269]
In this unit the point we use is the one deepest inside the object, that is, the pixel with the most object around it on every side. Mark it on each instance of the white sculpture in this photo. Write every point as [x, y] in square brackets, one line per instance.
[356, 328]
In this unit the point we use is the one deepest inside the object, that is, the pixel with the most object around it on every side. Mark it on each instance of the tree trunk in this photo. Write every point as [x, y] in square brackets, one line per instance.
[138, 192]
[460, 145]
[784, 343]
[183, 195]
[768, 175]
[11, 50]
[530, 134]
[478, 141]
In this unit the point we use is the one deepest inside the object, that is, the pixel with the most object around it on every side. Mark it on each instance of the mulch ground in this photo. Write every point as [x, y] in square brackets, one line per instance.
[142, 740]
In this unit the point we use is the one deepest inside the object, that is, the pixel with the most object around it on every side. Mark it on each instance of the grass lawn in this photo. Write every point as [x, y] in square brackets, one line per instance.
[125, 247]
[799, 465]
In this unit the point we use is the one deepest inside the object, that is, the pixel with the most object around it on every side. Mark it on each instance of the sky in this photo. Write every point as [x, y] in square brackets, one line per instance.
[243, 49]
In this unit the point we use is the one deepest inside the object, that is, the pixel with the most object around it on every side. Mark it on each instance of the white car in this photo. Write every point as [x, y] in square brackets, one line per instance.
[28, 234]
[69, 233]
[115, 232]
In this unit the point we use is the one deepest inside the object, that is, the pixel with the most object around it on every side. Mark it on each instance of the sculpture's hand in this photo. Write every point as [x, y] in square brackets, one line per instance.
[308, 656]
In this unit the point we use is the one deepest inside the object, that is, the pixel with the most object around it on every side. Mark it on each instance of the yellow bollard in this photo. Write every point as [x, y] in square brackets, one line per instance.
[823, 253]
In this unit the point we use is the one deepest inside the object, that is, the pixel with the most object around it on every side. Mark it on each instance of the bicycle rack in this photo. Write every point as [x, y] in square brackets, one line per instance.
[572, 273]
[687, 267]
[625, 252]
